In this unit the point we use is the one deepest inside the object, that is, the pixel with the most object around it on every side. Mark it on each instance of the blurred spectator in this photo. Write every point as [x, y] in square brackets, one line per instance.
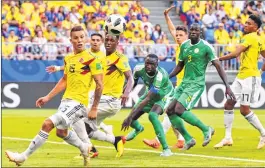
[227, 26]
[61, 32]
[74, 16]
[23, 30]
[51, 15]
[7, 49]
[237, 33]
[129, 31]
[157, 33]
[192, 16]
[135, 21]
[147, 24]
[67, 23]
[136, 37]
[39, 38]
[234, 11]
[209, 19]
[4, 31]
[49, 34]
[165, 39]
[148, 39]
[50, 50]
[221, 35]
[160, 49]
[12, 36]
[61, 14]
[220, 13]
[129, 51]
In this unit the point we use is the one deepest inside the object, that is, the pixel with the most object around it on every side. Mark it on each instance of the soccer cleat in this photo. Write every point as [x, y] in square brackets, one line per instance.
[86, 156]
[224, 142]
[154, 143]
[119, 145]
[17, 158]
[166, 153]
[261, 142]
[180, 144]
[133, 134]
[208, 136]
[92, 154]
[189, 144]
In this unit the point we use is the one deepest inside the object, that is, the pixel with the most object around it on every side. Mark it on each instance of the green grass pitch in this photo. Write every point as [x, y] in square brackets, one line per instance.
[25, 124]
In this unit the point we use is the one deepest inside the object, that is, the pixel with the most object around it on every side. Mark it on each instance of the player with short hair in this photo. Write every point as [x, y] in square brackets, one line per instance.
[248, 81]
[180, 34]
[195, 54]
[114, 95]
[81, 67]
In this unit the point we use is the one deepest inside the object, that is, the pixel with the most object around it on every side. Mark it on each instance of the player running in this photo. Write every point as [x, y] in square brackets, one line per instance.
[114, 95]
[195, 54]
[179, 34]
[159, 90]
[248, 81]
[80, 68]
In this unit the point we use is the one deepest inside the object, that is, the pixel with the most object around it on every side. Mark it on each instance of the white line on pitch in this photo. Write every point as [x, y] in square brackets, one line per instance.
[151, 151]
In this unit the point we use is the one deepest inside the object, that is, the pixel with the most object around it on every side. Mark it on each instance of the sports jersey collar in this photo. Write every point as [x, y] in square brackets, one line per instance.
[196, 43]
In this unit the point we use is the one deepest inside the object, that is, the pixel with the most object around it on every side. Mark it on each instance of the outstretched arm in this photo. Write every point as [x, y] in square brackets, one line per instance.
[177, 69]
[53, 68]
[239, 50]
[128, 88]
[223, 76]
[170, 25]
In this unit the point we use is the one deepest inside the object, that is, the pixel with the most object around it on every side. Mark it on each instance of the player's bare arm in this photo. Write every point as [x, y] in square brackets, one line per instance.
[98, 92]
[53, 68]
[127, 122]
[170, 25]
[177, 69]
[60, 86]
[239, 50]
[223, 76]
[129, 86]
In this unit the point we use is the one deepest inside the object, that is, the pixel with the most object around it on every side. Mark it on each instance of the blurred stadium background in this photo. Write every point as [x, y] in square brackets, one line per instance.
[35, 34]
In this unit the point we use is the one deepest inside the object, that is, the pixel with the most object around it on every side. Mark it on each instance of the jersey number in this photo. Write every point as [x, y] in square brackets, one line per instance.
[72, 68]
[245, 97]
[189, 58]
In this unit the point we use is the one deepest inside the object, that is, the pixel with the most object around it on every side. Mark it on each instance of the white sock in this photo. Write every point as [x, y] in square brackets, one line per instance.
[37, 142]
[255, 122]
[80, 129]
[73, 140]
[102, 136]
[178, 135]
[228, 122]
[166, 124]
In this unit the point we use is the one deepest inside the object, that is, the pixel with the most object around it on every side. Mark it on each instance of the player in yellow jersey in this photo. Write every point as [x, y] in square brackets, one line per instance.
[81, 68]
[115, 93]
[248, 81]
[180, 34]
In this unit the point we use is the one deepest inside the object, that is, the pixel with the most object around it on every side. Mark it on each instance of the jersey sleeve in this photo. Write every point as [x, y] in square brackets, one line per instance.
[211, 54]
[137, 70]
[246, 41]
[65, 67]
[95, 66]
[180, 57]
[123, 64]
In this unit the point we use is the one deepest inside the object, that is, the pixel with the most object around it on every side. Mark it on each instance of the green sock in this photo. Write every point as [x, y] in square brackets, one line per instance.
[177, 123]
[193, 120]
[153, 117]
[136, 125]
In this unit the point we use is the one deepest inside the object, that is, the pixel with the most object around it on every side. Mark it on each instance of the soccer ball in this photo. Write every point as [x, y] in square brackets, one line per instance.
[115, 24]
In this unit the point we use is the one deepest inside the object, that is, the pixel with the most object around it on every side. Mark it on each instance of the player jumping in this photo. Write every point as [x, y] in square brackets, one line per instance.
[80, 69]
[248, 81]
[195, 54]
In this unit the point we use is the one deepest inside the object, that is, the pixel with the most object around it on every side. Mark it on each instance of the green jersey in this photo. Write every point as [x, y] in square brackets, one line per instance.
[196, 58]
[159, 83]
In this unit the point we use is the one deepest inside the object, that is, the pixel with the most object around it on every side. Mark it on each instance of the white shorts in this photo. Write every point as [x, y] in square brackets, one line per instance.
[247, 90]
[69, 111]
[108, 107]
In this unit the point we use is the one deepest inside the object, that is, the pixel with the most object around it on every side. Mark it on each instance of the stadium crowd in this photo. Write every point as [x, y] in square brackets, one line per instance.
[41, 29]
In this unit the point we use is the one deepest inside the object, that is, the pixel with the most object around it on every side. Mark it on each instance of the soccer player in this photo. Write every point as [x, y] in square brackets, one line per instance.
[114, 95]
[248, 81]
[179, 34]
[158, 88]
[195, 54]
[81, 68]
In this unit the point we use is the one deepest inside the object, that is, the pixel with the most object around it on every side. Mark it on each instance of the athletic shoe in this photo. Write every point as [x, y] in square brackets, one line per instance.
[119, 145]
[180, 144]
[208, 136]
[189, 144]
[15, 157]
[261, 142]
[133, 134]
[166, 153]
[224, 142]
[154, 143]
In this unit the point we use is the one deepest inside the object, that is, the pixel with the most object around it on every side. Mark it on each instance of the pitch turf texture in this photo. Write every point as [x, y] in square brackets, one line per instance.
[25, 124]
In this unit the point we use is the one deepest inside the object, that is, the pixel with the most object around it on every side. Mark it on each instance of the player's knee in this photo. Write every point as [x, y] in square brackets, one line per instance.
[61, 133]
[244, 110]
[179, 109]
[229, 104]
[152, 116]
[47, 125]
[170, 110]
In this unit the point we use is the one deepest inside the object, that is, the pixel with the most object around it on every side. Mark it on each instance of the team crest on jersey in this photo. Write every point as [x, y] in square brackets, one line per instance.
[196, 50]
[81, 60]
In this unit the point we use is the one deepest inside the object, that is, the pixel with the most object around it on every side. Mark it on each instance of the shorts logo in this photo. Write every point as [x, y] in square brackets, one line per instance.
[196, 50]
[189, 98]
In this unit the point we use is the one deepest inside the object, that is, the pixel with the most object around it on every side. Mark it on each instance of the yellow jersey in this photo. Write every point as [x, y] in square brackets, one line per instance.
[102, 59]
[114, 77]
[181, 74]
[79, 69]
[249, 58]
